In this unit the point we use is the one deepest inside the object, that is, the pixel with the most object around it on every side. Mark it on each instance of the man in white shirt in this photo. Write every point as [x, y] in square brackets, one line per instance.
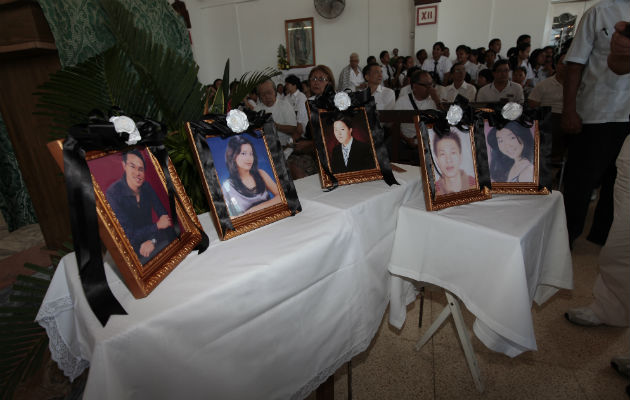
[459, 86]
[423, 96]
[388, 71]
[351, 77]
[596, 102]
[283, 114]
[438, 65]
[297, 100]
[463, 54]
[421, 57]
[502, 89]
[384, 97]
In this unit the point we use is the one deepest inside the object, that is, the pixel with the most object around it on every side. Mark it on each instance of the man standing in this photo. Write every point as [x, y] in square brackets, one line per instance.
[438, 65]
[501, 90]
[384, 97]
[596, 105]
[612, 285]
[351, 77]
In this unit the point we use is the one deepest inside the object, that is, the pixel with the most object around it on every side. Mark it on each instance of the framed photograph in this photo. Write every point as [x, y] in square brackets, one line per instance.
[514, 158]
[448, 164]
[349, 147]
[245, 179]
[135, 220]
[300, 37]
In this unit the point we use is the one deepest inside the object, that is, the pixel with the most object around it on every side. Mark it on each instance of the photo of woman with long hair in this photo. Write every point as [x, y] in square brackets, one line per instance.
[248, 188]
[511, 153]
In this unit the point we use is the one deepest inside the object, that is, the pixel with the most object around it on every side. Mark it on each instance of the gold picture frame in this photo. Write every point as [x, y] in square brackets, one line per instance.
[300, 38]
[224, 191]
[141, 277]
[450, 155]
[358, 126]
[507, 176]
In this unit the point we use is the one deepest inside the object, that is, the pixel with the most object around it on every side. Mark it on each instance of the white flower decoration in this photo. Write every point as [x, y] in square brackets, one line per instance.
[237, 121]
[512, 111]
[454, 114]
[126, 124]
[342, 101]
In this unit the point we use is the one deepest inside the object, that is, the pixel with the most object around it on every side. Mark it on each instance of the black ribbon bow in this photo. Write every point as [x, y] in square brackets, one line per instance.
[100, 134]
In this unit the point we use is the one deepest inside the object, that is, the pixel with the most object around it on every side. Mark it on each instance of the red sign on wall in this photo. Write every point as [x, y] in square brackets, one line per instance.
[426, 15]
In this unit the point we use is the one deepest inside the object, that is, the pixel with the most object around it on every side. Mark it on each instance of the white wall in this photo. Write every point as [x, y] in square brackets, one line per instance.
[249, 32]
[474, 23]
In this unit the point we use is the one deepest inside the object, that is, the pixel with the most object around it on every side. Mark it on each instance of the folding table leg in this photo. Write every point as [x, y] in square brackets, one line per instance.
[434, 327]
[464, 339]
[454, 309]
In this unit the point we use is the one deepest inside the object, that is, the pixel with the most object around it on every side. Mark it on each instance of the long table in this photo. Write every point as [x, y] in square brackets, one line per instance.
[270, 314]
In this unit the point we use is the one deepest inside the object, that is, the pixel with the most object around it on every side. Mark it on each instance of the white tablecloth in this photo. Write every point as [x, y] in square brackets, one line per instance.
[497, 256]
[266, 315]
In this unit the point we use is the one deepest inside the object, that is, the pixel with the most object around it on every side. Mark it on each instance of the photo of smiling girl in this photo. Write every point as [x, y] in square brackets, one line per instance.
[246, 185]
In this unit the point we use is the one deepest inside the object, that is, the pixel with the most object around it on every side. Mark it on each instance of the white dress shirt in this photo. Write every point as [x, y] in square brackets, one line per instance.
[388, 71]
[283, 114]
[602, 95]
[548, 93]
[443, 66]
[511, 92]
[384, 98]
[447, 94]
[403, 103]
[298, 102]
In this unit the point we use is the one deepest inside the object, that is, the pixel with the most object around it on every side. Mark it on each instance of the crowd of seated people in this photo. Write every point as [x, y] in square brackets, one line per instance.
[422, 80]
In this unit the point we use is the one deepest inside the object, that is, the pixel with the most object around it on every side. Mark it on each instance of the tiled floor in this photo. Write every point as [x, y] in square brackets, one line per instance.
[571, 362]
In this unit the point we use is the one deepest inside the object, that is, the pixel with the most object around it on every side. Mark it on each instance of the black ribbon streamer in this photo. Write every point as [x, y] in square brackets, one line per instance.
[99, 134]
[326, 101]
[527, 119]
[260, 124]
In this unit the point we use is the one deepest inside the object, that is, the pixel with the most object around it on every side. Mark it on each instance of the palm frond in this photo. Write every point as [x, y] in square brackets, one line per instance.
[23, 342]
[181, 156]
[220, 100]
[71, 93]
[249, 81]
[170, 78]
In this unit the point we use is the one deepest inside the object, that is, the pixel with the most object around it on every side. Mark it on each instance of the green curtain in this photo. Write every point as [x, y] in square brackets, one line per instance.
[79, 31]
[15, 202]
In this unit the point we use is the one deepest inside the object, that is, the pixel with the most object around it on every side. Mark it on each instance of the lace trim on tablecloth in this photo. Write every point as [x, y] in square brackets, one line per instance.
[325, 373]
[71, 365]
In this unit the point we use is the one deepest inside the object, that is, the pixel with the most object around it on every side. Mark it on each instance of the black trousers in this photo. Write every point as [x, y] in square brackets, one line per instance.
[591, 163]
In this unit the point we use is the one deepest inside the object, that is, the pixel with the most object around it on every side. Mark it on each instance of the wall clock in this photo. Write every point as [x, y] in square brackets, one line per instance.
[329, 8]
